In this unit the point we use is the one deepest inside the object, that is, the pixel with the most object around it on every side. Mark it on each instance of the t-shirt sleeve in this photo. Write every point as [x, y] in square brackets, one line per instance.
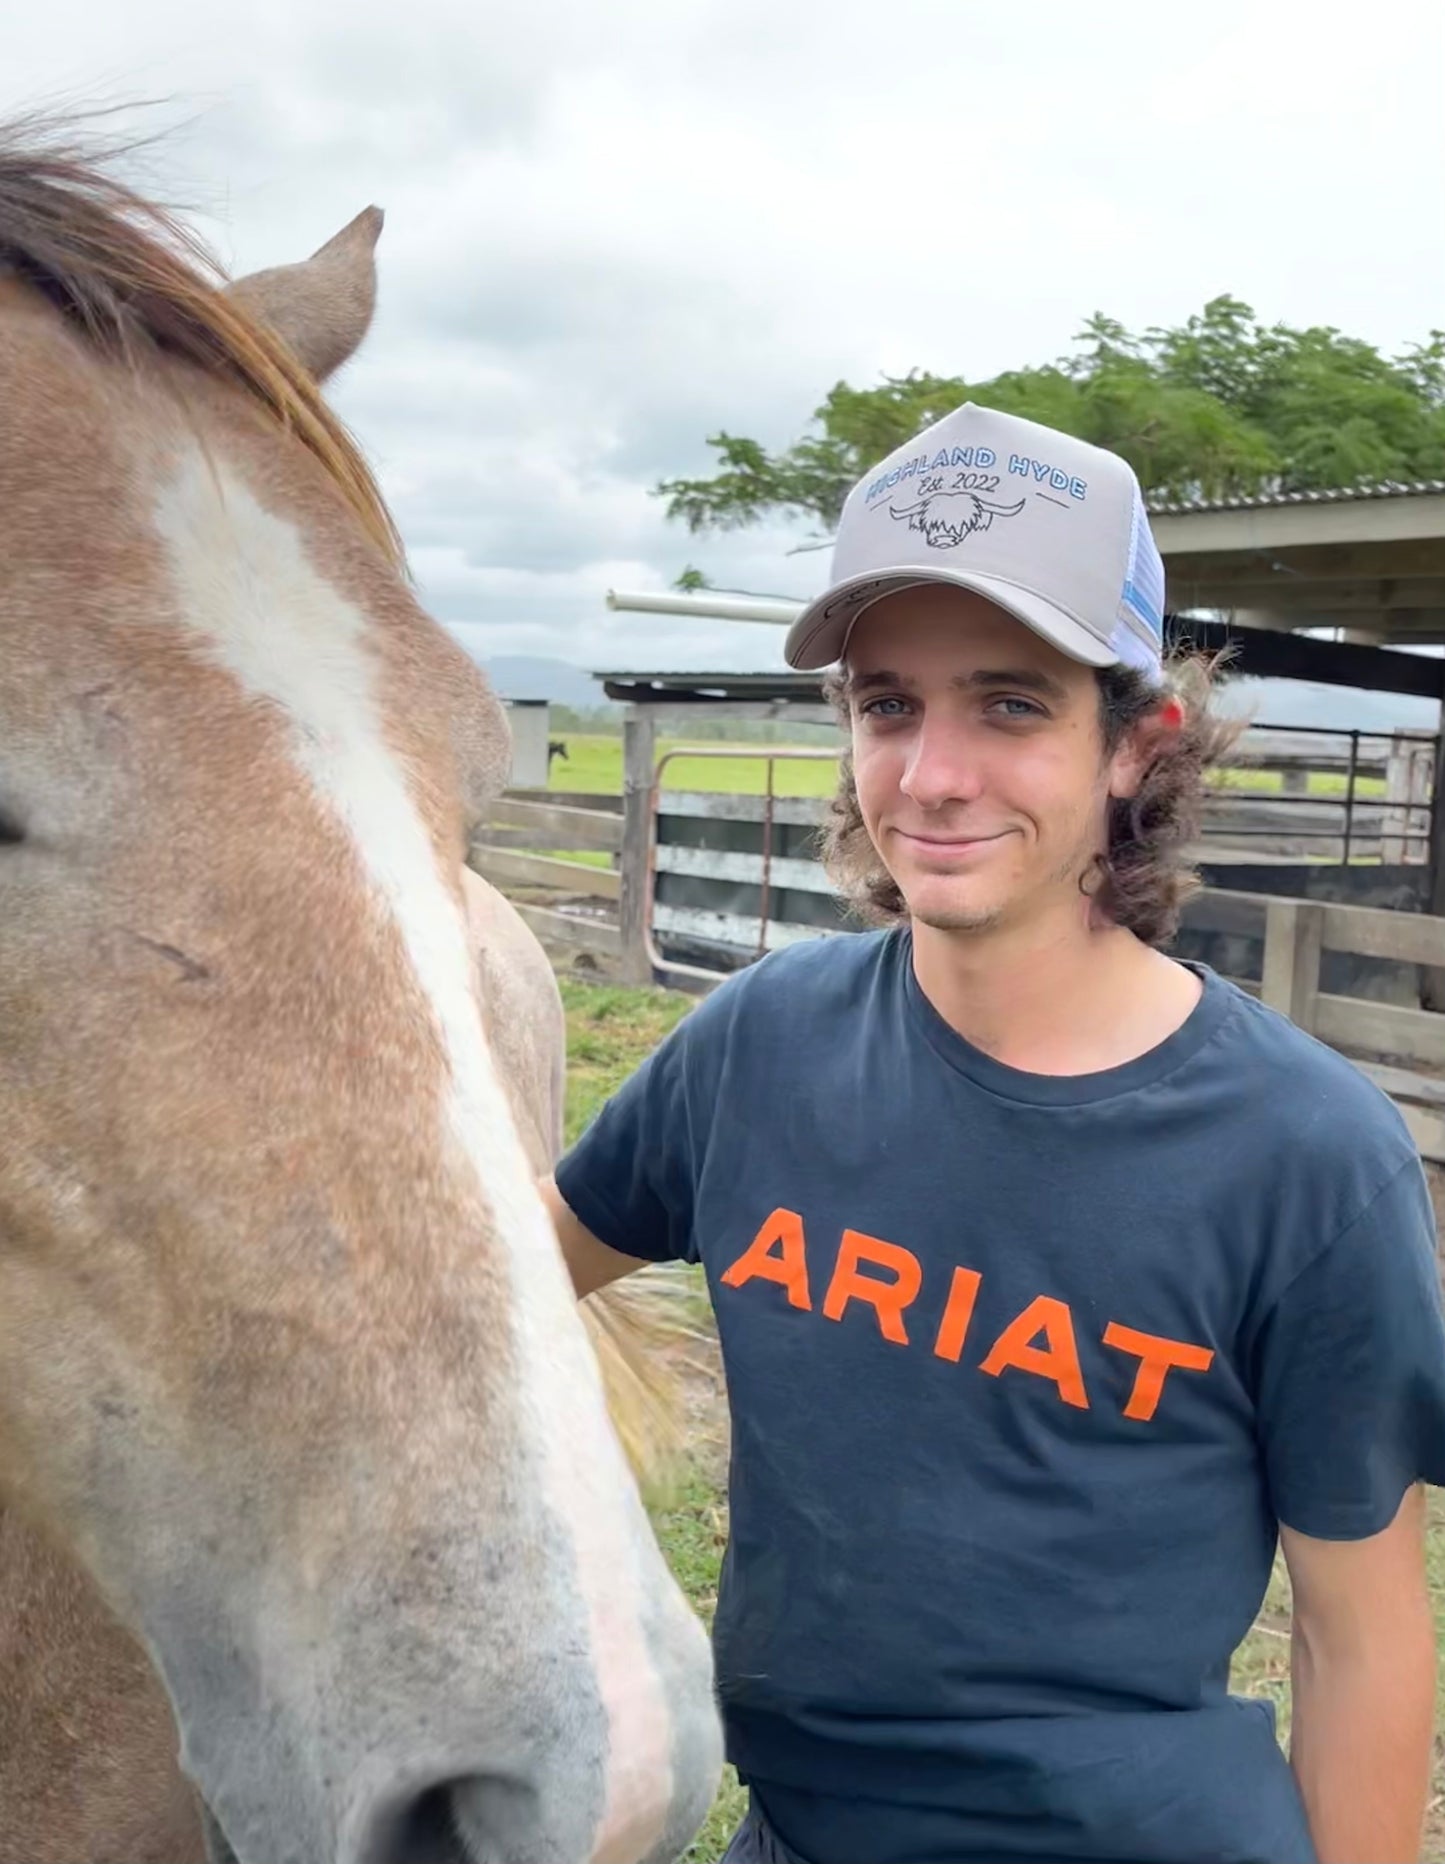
[630, 1176]
[1351, 1380]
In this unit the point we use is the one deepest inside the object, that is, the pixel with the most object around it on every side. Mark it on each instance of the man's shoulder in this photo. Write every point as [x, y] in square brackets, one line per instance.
[810, 972]
[802, 989]
[1309, 1093]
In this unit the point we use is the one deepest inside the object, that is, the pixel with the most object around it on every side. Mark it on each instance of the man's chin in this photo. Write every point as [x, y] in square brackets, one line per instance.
[944, 920]
[950, 908]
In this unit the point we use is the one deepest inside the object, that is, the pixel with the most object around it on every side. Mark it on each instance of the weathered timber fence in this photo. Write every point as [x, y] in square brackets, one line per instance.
[1342, 795]
[697, 883]
[1401, 1049]
[701, 880]
[571, 906]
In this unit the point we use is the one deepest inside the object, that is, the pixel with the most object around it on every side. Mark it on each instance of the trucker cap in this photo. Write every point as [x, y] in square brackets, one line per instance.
[1050, 528]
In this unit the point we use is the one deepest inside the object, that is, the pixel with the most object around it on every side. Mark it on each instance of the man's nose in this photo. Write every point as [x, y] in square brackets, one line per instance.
[944, 765]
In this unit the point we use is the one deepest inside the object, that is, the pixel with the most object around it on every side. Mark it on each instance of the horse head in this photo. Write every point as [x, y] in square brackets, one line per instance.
[289, 1362]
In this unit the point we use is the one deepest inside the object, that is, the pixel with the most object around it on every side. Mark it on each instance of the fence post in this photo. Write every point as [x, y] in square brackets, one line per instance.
[1432, 977]
[1407, 794]
[638, 759]
[1292, 945]
[1422, 787]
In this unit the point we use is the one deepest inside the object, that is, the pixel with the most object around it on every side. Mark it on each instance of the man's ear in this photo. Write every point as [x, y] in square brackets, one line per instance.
[321, 307]
[1141, 745]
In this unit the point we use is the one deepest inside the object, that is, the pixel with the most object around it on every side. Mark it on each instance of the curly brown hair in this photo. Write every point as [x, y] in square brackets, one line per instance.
[1143, 876]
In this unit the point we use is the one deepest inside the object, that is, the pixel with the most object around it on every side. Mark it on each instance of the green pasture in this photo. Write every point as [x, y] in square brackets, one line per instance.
[610, 1030]
[1322, 783]
[593, 765]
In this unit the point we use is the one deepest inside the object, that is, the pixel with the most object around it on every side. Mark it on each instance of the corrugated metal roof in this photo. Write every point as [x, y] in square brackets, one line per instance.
[1332, 495]
[695, 686]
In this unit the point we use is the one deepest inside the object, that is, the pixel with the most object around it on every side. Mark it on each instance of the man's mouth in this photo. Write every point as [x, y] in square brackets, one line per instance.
[941, 847]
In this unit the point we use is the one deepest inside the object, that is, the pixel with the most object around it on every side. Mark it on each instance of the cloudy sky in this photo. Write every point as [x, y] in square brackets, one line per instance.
[615, 226]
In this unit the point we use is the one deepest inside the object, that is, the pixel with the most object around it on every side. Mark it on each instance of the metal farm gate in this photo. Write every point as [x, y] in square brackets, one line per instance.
[730, 877]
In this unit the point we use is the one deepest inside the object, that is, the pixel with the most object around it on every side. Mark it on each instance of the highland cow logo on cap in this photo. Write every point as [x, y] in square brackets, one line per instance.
[944, 519]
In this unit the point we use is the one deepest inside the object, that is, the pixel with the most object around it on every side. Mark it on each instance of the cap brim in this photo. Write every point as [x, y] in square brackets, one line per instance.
[819, 637]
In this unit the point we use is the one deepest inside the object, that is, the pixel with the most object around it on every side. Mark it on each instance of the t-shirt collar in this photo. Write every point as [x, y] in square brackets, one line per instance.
[1217, 1003]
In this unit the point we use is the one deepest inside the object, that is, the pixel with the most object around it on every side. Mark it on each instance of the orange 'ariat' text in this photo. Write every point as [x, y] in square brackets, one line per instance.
[888, 1279]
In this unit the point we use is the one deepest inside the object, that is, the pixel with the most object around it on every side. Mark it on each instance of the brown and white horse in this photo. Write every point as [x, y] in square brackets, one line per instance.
[314, 1529]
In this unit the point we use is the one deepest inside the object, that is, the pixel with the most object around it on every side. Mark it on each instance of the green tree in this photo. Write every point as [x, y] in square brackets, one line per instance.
[1220, 406]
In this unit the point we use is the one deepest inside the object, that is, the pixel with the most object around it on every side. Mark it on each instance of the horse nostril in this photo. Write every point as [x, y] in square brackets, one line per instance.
[498, 1820]
[426, 1833]
[474, 1820]
[218, 1846]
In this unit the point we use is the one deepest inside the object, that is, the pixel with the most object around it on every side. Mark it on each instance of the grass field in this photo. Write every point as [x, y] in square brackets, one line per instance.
[610, 1031]
[593, 766]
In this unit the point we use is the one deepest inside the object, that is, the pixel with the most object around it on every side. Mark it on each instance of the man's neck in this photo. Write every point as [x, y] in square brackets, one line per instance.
[1058, 998]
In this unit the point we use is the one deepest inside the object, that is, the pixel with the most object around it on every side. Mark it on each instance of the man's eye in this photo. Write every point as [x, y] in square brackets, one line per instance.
[1018, 708]
[885, 708]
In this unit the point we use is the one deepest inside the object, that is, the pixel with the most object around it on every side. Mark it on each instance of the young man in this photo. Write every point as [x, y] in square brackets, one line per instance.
[1056, 1281]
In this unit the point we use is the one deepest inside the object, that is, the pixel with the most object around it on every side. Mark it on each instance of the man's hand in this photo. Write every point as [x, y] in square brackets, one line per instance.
[591, 1262]
[1363, 1666]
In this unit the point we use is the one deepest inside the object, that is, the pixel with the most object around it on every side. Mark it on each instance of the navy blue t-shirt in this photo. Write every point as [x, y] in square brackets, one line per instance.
[1024, 1371]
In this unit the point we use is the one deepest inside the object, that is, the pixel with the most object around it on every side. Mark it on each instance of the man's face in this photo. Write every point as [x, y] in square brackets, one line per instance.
[979, 759]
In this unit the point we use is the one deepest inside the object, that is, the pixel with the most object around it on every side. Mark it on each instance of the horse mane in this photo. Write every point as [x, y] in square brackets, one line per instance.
[135, 279]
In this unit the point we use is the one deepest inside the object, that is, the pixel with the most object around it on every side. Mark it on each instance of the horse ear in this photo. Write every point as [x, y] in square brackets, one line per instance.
[322, 306]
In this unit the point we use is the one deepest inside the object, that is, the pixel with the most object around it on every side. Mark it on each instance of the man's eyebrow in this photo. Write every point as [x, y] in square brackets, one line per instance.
[1026, 679]
[873, 682]
[1029, 678]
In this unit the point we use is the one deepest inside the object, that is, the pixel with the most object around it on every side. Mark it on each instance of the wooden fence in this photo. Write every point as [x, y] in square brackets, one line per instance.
[713, 878]
[1341, 795]
[694, 883]
[1401, 1049]
[581, 913]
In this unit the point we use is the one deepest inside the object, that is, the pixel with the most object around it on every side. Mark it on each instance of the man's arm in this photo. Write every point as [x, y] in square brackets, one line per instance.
[591, 1262]
[1363, 1665]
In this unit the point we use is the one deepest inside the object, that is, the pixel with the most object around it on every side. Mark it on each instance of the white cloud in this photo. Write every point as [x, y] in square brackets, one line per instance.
[614, 230]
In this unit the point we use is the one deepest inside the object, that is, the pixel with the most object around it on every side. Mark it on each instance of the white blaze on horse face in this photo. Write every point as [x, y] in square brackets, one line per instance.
[260, 609]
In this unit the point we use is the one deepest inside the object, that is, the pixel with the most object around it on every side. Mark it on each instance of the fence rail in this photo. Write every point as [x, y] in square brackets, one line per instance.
[1389, 821]
[560, 825]
[506, 868]
[1392, 1044]
[737, 873]
[699, 882]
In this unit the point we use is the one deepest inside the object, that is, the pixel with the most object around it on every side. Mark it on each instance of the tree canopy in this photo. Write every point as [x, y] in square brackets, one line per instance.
[1221, 406]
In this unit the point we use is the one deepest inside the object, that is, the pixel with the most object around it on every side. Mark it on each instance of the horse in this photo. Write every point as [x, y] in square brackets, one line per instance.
[319, 1539]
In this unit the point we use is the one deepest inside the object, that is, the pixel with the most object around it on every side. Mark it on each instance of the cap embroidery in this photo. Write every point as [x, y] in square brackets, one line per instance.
[944, 519]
